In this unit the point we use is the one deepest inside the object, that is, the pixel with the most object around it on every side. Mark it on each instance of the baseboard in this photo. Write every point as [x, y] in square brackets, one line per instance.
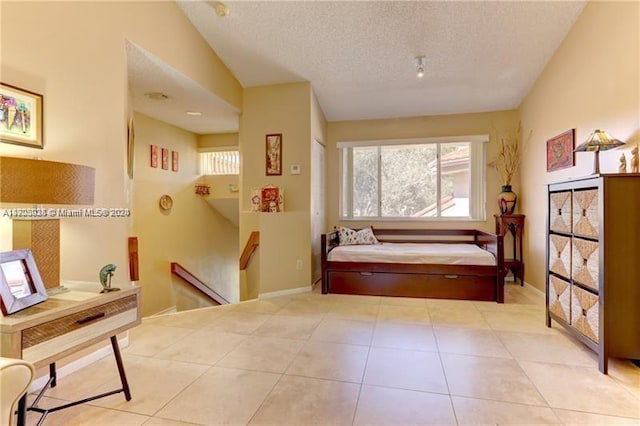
[533, 288]
[171, 310]
[288, 292]
[76, 365]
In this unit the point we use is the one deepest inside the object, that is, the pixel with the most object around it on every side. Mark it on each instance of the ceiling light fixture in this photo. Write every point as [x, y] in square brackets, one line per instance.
[156, 96]
[419, 66]
[221, 9]
[194, 113]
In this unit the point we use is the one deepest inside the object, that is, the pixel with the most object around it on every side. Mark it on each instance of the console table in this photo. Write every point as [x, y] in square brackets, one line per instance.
[64, 324]
[514, 224]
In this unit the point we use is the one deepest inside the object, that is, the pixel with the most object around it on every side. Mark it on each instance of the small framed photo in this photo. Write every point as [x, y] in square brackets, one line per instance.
[165, 159]
[560, 153]
[20, 283]
[174, 161]
[154, 156]
[274, 155]
[20, 117]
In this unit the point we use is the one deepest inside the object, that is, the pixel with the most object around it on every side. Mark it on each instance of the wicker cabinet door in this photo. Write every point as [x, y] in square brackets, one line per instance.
[585, 212]
[585, 260]
[560, 211]
[560, 255]
[585, 313]
[560, 298]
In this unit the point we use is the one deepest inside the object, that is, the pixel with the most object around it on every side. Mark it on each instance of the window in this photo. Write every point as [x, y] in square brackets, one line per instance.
[219, 161]
[413, 179]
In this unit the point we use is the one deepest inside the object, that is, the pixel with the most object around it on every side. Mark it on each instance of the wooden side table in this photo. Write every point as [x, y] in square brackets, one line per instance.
[514, 224]
[64, 324]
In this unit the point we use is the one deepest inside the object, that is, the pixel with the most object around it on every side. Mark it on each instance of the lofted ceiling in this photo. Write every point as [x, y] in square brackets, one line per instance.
[360, 55]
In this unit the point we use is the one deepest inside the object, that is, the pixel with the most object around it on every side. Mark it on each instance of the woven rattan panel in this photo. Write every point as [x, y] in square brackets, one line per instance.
[585, 212]
[560, 211]
[586, 261]
[560, 255]
[43, 238]
[559, 298]
[30, 181]
[41, 333]
[584, 312]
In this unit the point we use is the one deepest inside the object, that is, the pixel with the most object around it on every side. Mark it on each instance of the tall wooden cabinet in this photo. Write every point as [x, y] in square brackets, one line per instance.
[593, 262]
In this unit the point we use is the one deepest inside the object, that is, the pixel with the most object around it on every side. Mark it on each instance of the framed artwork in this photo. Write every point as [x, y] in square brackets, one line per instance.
[560, 153]
[20, 117]
[154, 156]
[20, 283]
[274, 155]
[174, 161]
[165, 159]
[268, 199]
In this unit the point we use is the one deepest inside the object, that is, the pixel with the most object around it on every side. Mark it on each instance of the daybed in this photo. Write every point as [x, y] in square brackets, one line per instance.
[469, 276]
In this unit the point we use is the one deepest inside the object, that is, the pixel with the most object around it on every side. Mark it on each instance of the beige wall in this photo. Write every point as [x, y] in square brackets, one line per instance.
[491, 123]
[590, 83]
[285, 109]
[217, 140]
[192, 233]
[80, 68]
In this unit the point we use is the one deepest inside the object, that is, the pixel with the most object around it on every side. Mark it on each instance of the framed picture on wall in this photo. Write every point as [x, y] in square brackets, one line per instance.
[165, 159]
[20, 117]
[174, 161]
[560, 153]
[154, 156]
[274, 155]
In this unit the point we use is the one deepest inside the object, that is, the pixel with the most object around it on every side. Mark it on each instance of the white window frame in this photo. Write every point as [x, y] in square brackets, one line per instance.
[477, 177]
[217, 149]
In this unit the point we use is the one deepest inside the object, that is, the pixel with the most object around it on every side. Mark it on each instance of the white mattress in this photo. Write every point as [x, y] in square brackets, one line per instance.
[442, 254]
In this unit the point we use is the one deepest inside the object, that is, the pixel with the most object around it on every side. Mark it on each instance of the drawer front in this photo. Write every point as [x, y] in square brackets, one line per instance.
[560, 298]
[585, 313]
[65, 325]
[585, 260]
[560, 211]
[560, 255]
[585, 213]
[413, 285]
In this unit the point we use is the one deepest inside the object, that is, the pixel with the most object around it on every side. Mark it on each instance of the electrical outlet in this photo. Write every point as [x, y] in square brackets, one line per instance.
[299, 264]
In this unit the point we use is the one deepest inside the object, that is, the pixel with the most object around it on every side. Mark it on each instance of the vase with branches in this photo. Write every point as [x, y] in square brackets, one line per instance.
[506, 164]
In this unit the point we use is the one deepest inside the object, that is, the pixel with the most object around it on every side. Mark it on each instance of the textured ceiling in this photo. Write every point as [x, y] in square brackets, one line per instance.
[148, 74]
[359, 55]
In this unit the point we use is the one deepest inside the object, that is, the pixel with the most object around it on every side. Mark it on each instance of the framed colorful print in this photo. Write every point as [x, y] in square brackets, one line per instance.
[20, 117]
[154, 156]
[174, 161]
[165, 159]
[560, 153]
[274, 155]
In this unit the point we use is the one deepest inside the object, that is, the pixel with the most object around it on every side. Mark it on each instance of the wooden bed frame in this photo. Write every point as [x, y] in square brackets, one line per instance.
[438, 281]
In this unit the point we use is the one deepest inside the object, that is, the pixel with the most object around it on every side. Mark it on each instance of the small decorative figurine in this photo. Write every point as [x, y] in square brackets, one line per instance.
[634, 160]
[622, 167]
[105, 278]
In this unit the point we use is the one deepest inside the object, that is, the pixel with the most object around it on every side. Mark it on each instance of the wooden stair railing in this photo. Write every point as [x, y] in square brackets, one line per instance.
[180, 271]
[252, 244]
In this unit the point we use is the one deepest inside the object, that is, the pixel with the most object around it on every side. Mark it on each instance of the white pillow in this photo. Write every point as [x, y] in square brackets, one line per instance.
[350, 237]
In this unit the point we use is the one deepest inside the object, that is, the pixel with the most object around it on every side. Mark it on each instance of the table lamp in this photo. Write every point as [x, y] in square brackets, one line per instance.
[30, 181]
[598, 141]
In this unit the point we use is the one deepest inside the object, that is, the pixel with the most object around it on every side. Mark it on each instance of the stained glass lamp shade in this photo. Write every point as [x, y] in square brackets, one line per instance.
[598, 141]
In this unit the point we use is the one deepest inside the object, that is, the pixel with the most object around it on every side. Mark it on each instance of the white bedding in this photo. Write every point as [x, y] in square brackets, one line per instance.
[434, 253]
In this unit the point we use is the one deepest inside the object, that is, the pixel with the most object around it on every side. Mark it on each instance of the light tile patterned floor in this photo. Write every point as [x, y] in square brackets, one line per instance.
[336, 359]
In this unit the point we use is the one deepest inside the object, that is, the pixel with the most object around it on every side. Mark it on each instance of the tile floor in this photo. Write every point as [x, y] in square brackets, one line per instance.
[335, 359]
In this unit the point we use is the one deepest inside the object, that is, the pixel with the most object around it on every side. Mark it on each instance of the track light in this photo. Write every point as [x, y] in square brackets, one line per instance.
[419, 66]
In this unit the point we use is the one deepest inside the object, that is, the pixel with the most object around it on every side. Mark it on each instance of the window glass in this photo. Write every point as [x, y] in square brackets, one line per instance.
[414, 180]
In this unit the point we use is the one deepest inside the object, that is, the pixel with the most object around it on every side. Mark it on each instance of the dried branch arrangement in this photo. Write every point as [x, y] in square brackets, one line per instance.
[508, 158]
